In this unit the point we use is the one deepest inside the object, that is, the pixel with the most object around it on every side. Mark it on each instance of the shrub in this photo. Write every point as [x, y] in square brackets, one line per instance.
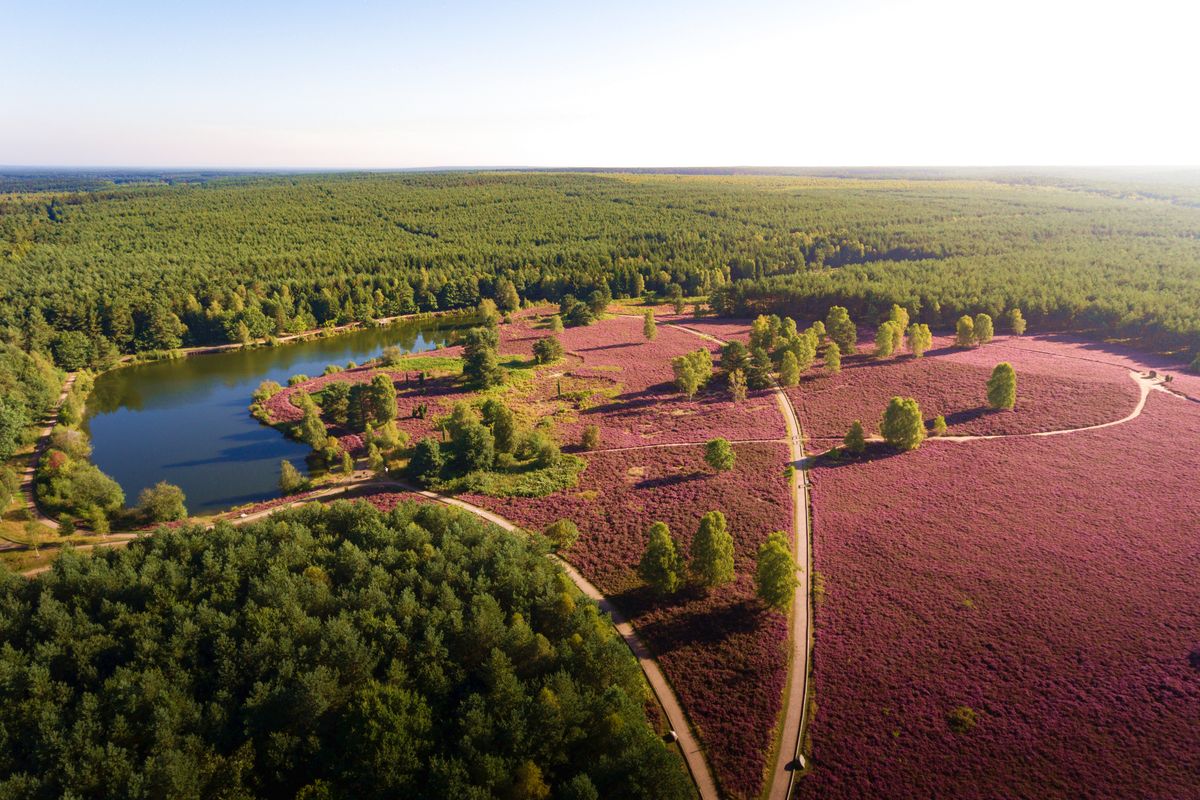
[290, 479]
[961, 719]
[692, 371]
[855, 441]
[297, 379]
[556, 324]
[902, 426]
[939, 425]
[719, 454]
[162, 502]
[775, 574]
[332, 369]
[590, 440]
[265, 391]
[562, 534]
[661, 566]
[547, 349]
[1002, 386]
[391, 356]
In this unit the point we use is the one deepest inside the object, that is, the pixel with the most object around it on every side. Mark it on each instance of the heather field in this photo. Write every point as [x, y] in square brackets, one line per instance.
[643, 406]
[723, 652]
[1047, 583]
[1055, 390]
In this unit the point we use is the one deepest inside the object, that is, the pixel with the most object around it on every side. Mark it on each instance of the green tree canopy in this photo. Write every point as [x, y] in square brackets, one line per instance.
[332, 652]
[661, 566]
[1002, 387]
[902, 426]
[712, 552]
[775, 573]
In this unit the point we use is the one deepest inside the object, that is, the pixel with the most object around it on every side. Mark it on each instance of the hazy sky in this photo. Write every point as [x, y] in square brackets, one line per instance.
[603, 83]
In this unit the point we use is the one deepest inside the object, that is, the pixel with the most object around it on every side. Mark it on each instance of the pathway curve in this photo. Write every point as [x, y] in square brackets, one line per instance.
[791, 738]
[1145, 383]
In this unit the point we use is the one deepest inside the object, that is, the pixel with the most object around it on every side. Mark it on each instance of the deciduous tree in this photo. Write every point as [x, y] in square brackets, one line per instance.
[902, 426]
[661, 567]
[775, 574]
[1002, 387]
[712, 552]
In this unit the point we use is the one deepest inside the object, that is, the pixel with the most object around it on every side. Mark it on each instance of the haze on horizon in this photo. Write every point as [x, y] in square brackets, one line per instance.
[619, 84]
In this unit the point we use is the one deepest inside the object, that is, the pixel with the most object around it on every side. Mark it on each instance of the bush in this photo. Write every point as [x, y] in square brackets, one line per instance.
[547, 349]
[290, 479]
[939, 425]
[719, 454]
[591, 437]
[855, 441]
[961, 719]
[391, 356]
[297, 379]
[162, 502]
[562, 534]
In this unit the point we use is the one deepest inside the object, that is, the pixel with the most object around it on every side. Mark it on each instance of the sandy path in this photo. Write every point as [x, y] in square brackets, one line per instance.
[791, 736]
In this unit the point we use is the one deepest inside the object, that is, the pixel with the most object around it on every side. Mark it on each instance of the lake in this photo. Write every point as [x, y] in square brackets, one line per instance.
[185, 421]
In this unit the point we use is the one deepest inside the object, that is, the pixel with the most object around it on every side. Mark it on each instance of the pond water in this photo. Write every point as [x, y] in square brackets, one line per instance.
[186, 421]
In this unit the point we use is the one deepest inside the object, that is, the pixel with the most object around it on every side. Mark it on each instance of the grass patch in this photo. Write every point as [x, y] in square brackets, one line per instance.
[448, 365]
[520, 482]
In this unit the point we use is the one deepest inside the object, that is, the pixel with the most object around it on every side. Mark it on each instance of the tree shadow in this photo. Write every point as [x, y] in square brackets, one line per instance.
[670, 480]
[967, 415]
[707, 623]
[837, 458]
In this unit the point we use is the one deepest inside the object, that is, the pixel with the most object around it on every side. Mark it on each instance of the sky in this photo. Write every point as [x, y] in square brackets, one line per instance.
[303, 84]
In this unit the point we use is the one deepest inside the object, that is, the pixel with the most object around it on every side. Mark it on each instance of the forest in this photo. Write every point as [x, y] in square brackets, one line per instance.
[115, 268]
[328, 651]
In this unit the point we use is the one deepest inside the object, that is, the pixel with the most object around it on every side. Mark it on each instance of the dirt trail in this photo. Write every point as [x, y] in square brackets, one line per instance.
[791, 739]
[29, 473]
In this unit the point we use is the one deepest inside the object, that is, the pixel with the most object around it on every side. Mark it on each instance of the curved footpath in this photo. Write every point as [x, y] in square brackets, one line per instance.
[795, 714]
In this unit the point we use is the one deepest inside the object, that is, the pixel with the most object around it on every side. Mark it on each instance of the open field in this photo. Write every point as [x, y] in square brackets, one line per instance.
[1052, 393]
[723, 652]
[1047, 583]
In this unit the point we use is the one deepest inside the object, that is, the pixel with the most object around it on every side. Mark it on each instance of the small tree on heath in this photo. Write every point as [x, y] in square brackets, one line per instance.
[964, 331]
[902, 426]
[661, 567]
[983, 328]
[718, 454]
[1002, 387]
[855, 441]
[775, 575]
[712, 552]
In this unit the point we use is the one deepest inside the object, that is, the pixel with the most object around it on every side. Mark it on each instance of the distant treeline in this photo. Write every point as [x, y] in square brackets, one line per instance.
[89, 274]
